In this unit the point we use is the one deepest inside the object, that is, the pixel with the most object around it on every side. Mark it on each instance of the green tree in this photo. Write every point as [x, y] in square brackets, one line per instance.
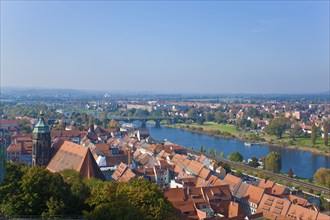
[326, 133]
[10, 190]
[295, 131]
[139, 199]
[222, 154]
[113, 124]
[215, 153]
[192, 113]
[253, 162]
[79, 191]
[202, 150]
[210, 151]
[253, 112]
[325, 205]
[208, 116]
[104, 119]
[37, 192]
[43, 192]
[226, 166]
[278, 126]
[313, 133]
[238, 173]
[322, 176]
[274, 162]
[141, 113]
[236, 157]
[200, 120]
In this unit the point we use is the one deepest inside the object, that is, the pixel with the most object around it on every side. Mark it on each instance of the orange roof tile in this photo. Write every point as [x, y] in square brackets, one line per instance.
[299, 212]
[123, 173]
[195, 167]
[254, 194]
[232, 180]
[205, 173]
[278, 190]
[77, 157]
[13, 147]
[274, 205]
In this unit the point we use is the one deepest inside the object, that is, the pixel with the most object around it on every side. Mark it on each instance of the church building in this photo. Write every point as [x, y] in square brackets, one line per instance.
[41, 142]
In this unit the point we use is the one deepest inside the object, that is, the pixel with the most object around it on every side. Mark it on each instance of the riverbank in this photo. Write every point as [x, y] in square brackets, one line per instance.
[229, 131]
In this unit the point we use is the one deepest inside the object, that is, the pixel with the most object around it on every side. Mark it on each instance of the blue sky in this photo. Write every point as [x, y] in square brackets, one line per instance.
[168, 46]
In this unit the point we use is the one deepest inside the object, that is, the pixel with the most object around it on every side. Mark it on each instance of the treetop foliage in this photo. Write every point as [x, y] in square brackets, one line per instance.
[36, 192]
[274, 162]
[236, 157]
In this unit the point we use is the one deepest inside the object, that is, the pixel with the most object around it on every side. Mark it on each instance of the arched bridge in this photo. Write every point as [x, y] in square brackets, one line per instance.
[157, 120]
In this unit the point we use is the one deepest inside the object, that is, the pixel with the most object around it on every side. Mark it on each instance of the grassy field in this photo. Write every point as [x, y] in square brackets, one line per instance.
[222, 127]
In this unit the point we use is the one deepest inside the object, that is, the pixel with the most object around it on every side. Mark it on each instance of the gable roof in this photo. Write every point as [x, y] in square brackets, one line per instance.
[77, 157]
[123, 173]
[254, 194]
[104, 148]
[116, 159]
[275, 206]
[240, 191]
[298, 200]
[205, 173]
[299, 212]
[14, 147]
[266, 184]
[195, 167]
[278, 190]
[232, 180]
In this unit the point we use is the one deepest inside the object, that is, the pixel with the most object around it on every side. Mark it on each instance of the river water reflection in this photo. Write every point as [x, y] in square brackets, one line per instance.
[304, 164]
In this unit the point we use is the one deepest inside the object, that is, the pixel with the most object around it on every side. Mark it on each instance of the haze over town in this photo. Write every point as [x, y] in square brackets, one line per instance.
[190, 47]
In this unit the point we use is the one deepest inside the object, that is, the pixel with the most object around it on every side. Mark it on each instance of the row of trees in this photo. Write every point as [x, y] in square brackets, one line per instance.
[211, 152]
[273, 161]
[34, 192]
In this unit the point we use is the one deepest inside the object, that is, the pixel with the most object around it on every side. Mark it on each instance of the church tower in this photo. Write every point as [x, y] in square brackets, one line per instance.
[41, 143]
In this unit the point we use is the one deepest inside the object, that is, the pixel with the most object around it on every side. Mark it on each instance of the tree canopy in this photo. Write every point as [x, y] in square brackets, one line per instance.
[34, 191]
[322, 176]
[278, 126]
[236, 157]
[274, 162]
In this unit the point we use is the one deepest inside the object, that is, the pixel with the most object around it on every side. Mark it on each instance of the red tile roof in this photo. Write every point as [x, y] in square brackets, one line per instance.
[77, 157]
[299, 212]
[13, 147]
[254, 194]
[275, 206]
[123, 173]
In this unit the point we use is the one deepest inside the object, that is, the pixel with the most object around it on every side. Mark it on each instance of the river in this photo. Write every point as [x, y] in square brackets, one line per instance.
[303, 163]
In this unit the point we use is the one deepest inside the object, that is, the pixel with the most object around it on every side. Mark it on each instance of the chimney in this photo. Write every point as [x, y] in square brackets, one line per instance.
[129, 158]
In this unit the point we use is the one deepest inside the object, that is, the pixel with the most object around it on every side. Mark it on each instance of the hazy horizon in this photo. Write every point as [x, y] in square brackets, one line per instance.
[167, 47]
[103, 91]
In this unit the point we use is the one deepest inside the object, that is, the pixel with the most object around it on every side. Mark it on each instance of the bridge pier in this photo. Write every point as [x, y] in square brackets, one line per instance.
[144, 124]
[157, 123]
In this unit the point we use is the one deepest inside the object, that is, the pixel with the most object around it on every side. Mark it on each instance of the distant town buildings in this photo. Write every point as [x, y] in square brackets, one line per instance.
[197, 186]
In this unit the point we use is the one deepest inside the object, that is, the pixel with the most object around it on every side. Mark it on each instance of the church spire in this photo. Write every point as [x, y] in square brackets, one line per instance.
[41, 142]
